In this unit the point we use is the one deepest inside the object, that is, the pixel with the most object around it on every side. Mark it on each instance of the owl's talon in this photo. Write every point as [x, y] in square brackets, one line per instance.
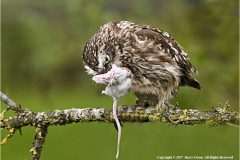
[170, 106]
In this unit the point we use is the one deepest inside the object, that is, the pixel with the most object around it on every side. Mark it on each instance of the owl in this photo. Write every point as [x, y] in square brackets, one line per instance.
[157, 63]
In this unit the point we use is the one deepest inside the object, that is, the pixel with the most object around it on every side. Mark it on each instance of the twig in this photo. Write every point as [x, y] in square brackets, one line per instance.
[7, 101]
[41, 133]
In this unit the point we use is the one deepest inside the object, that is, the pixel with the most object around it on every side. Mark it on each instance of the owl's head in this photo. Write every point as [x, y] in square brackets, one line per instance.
[102, 50]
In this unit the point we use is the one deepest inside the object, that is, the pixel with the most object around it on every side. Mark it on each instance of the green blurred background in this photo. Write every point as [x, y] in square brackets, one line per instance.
[42, 43]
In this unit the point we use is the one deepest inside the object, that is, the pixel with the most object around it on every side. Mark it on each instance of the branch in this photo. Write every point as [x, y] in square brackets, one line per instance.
[42, 120]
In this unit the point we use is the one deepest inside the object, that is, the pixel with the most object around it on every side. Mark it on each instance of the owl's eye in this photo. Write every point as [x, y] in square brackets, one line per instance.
[107, 60]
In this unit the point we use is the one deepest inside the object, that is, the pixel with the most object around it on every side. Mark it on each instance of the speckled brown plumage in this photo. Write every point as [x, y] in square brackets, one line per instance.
[157, 62]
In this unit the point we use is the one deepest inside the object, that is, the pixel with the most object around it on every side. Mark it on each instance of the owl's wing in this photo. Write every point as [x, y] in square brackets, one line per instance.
[162, 45]
[158, 47]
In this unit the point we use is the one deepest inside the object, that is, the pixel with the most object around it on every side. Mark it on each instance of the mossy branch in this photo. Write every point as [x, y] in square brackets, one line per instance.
[42, 120]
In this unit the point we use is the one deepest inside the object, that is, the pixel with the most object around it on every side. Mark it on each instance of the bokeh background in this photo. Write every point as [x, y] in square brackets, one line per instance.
[41, 68]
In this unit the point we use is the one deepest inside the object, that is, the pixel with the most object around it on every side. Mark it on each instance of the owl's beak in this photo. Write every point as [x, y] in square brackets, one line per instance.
[104, 70]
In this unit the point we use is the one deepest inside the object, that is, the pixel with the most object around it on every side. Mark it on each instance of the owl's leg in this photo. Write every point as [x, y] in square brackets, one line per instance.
[160, 106]
[167, 104]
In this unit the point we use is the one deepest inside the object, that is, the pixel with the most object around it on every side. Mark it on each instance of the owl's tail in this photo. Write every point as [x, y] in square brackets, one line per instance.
[188, 80]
